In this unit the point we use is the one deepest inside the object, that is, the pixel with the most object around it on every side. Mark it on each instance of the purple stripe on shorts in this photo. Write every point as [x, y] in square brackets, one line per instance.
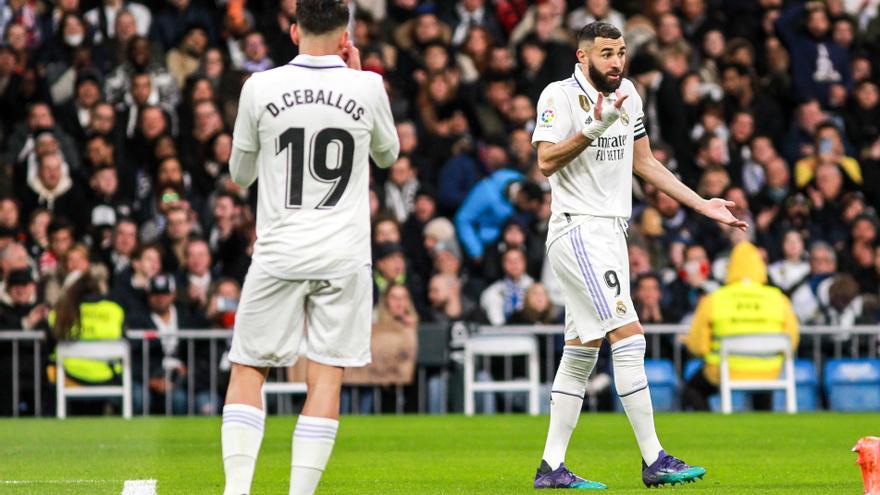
[580, 242]
[583, 270]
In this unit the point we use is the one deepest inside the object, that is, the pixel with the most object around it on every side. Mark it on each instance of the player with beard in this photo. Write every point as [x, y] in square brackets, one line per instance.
[590, 139]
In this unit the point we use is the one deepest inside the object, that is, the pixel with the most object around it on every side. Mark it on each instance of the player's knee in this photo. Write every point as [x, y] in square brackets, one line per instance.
[628, 357]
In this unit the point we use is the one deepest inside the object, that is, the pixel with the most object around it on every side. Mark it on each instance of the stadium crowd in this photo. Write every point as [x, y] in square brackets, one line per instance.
[115, 132]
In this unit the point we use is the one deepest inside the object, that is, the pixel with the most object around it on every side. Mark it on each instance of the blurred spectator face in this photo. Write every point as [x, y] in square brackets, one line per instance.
[126, 27]
[817, 23]
[391, 266]
[170, 171]
[537, 298]
[165, 148]
[141, 88]
[195, 42]
[499, 93]
[533, 56]
[676, 254]
[692, 8]
[397, 302]
[424, 208]
[831, 133]
[103, 119]
[198, 257]
[386, 231]
[471, 5]
[863, 254]
[829, 180]
[49, 171]
[822, 260]
[46, 144]
[513, 262]
[139, 52]
[77, 259]
[88, 93]
[639, 261]
[214, 64]
[439, 290]
[842, 33]
[521, 110]
[22, 294]
[548, 18]
[690, 89]
[853, 206]
[742, 127]
[125, 238]
[666, 205]
[861, 68]
[793, 246]
[149, 264]
[104, 182]
[40, 117]
[436, 58]
[777, 173]
[73, 30]
[9, 214]
[494, 157]
[513, 235]
[738, 196]
[648, 291]
[202, 91]
[675, 62]
[15, 257]
[16, 37]
[867, 95]
[863, 231]
[668, 29]
[713, 183]
[254, 47]
[207, 118]
[597, 8]
[7, 61]
[427, 28]
[810, 115]
[696, 265]
[406, 134]
[153, 122]
[60, 241]
[224, 209]
[99, 152]
[401, 171]
[477, 42]
[161, 303]
[179, 225]
[762, 150]
[521, 145]
[500, 60]
[38, 228]
[446, 263]
[221, 150]
[713, 44]
[714, 152]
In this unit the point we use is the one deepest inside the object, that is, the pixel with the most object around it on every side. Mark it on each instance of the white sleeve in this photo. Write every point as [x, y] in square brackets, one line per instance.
[245, 136]
[243, 167]
[554, 122]
[384, 144]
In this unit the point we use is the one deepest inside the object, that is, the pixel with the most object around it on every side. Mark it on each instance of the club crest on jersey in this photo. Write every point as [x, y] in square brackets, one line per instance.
[547, 117]
[624, 117]
[620, 309]
[585, 103]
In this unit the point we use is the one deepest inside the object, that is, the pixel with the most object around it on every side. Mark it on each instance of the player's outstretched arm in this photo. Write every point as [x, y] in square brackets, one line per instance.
[554, 156]
[649, 169]
[243, 167]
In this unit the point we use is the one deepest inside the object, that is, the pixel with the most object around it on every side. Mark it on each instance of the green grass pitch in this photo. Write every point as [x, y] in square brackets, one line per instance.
[744, 454]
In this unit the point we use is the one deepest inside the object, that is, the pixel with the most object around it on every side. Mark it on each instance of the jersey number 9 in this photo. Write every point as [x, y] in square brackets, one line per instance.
[293, 142]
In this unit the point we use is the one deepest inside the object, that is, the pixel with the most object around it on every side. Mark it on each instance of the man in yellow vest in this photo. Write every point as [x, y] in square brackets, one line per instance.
[745, 305]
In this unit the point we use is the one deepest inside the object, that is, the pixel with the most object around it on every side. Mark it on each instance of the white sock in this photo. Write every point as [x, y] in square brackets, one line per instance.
[241, 436]
[567, 397]
[628, 356]
[313, 441]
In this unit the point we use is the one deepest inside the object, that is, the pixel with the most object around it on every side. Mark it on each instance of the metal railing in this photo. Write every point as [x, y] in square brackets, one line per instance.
[850, 340]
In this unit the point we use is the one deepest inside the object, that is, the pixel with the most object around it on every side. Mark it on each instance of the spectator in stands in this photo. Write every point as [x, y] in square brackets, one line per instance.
[74, 117]
[810, 296]
[506, 296]
[825, 71]
[20, 309]
[828, 148]
[413, 231]
[537, 308]
[85, 313]
[228, 238]
[139, 60]
[694, 281]
[62, 236]
[129, 286]
[390, 268]
[38, 233]
[447, 303]
[846, 306]
[490, 204]
[736, 309]
[793, 268]
[104, 18]
[648, 295]
[513, 236]
[171, 22]
[195, 277]
[400, 188]
[166, 318]
[119, 255]
[825, 194]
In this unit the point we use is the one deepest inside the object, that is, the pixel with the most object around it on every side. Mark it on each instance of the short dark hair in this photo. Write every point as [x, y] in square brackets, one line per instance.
[321, 16]
[597, 29]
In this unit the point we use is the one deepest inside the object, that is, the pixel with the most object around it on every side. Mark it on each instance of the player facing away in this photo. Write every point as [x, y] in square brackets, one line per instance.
[590, 139]
[306, 130]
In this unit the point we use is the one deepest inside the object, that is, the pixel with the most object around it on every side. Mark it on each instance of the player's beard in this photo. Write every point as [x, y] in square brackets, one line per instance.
[602, 83]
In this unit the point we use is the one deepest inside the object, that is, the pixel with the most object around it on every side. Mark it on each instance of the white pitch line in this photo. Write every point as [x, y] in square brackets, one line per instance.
[139, 487]
[58, 482]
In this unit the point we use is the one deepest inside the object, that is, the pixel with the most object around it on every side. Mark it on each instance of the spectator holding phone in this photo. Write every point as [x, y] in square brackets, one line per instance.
[828, 148]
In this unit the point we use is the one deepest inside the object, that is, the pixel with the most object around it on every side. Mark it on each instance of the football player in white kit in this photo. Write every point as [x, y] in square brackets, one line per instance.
[590, 139]
[306, 130]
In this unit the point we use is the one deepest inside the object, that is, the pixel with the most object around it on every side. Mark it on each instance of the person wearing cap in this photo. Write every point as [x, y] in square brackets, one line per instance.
[20, 309]
[390, 267]
[168, 373]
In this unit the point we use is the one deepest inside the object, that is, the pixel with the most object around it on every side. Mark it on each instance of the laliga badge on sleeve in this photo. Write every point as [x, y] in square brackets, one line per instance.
[868, 449]
[547, 117]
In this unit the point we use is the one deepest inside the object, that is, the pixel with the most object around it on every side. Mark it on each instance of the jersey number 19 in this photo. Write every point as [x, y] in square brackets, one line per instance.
[293, 142]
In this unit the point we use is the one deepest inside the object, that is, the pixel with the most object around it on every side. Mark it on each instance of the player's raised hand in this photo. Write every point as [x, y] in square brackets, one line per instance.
[351, 55]
[717, 209]
[618, 104]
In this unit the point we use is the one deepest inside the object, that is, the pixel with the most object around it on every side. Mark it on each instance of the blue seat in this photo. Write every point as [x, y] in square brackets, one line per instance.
[853, 384]
[807, 383]
[663, 385]
[740, 399]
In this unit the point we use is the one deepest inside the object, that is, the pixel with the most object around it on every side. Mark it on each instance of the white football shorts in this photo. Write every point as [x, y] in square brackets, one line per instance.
[274, 315]
[591, 264]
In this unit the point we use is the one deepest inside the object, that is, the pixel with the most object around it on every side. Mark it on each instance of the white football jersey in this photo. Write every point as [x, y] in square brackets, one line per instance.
[599, 181]
[314, 122]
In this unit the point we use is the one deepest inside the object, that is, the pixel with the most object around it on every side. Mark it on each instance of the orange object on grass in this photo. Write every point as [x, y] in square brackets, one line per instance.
[869, 459]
